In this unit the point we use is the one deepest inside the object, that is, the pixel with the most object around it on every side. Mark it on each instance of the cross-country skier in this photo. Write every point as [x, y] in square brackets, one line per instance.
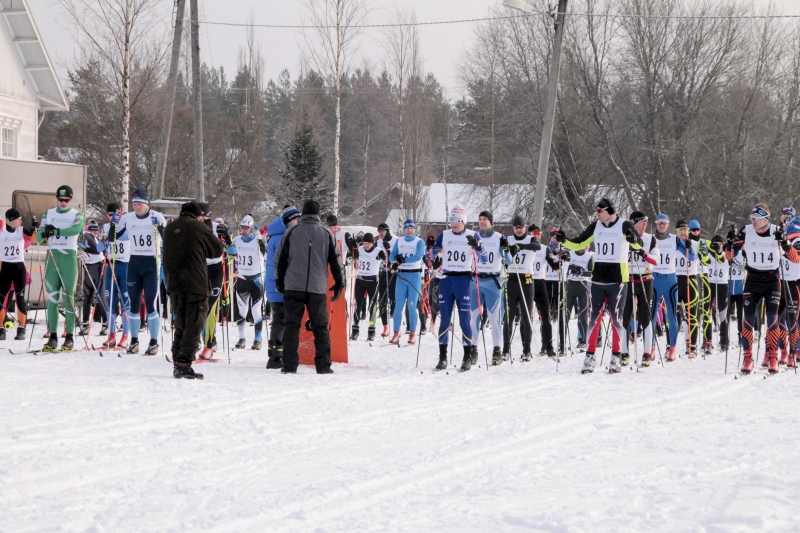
[118, 255]
[736, 288]
[613, 237]
[406, 259]
[791, 275]
[61, 227]
[387, 281]
[579, 279]
[370, 258]
[145, 229]
[688, 292]
[250, 250]
[290, 216]
[703, 283]
[719, 275]
[92, 257]
[553, 278]
[763, 244]
[543, 258]
[640, 291]
[524, 250]
[665, 282]
[14, 239]
[490, 280]
[459, 247]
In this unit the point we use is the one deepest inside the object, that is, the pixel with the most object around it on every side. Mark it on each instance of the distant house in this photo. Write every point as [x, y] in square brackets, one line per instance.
[28, 82]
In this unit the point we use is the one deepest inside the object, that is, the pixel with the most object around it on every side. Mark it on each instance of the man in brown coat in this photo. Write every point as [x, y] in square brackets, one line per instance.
[188, 242]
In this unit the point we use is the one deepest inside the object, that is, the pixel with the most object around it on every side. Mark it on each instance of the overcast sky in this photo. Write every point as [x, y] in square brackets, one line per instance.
[441, 45]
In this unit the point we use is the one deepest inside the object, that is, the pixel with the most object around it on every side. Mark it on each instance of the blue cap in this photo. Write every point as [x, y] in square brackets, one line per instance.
[140, 195]
[662, 216]
[409, 224]
[693, 224]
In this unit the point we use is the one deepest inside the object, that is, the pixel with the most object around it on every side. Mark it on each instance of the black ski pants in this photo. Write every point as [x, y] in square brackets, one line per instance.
[278, 323]
[719, 302]
[13, 273]
[190, 311]
[295, 304]
[366, 291]
[577, 298]
[386, 285]
[91, 282]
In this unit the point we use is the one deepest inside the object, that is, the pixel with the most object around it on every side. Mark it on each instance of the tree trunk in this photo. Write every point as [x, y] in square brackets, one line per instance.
[366, 170]
[126, 110]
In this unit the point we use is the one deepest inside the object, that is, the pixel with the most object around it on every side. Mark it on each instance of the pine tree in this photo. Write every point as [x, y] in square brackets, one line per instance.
[303, 178]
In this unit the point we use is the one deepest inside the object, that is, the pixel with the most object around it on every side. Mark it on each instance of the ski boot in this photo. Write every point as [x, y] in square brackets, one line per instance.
[256, 345]
[69, 344]
[240, 344]
[51, 345]
[20, 334]
[646, 359]
[412, 338]
[588, 363]
[790, 362]
[111, 341]
[2, 333]
[473, 355]
[442, 357]
[104, 330]
[466, 363]
[497, 358]
[84, 330]
[206, 354]
[354, 335]
[213, 344]
[134, 347]
[526, 356]
[615, 366]
[396, 338]
[707, 349]
[551, 353]
[671, 355]
[423, 330]
[385, 331]
[764, 361]
[748, 364]
[185, 371]
[691, 352]
[123, 342]
[152, 348]
[624, 359]
[581, 346]
[784, 356]
[371, 335]
[772, 361]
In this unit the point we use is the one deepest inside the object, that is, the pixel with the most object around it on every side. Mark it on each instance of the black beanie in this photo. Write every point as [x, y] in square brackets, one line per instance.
[113, 207]
[12, 215]
[310, 207]
[681, 224]
[487, 214]
[384, 226]
[637, 216]
[204, 209]
[608, 205]
[368, 237]
[333, 220]
[534, 227]
[519, 220]
[192, 208]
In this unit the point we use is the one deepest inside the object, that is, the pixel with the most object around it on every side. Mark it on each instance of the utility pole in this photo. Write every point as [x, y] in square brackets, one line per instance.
[166, 125]
[200, 194]
[549, 115]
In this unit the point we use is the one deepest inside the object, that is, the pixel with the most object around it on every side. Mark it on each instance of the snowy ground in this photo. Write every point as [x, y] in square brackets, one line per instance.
[90, 443]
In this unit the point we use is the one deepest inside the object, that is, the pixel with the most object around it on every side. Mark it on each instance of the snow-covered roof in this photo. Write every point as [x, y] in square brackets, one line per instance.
[35, 58]
[438, 198]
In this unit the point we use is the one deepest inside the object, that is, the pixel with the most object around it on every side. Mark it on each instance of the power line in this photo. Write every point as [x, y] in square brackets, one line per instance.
[510, 17]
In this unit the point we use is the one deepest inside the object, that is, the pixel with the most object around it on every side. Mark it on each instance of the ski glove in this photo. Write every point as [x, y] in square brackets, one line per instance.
[560, 236]
[731, 235]
[437, 262]
[155, 221]
[565, 256]
[337, 291]
[387, 245]
[49, 231]
[780, 235]
[115, 218]
[431, 242]
[576, 271]
[280, 285]
[503, 242]
[399, 259]
[473, 242]
[513, 249]
[36, 222]
[703, 247]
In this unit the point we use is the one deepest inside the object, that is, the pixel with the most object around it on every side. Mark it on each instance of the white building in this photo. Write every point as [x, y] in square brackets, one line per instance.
[28, 82]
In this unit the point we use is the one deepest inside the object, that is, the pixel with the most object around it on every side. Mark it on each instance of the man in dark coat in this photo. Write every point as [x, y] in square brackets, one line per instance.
[304, 254]
[188, 242]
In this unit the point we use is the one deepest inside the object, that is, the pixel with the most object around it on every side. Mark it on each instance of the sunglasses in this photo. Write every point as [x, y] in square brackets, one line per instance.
[662, 223]
[455, 220]
[695, 230]
[65, 200]
[519, 227]
[756, 218]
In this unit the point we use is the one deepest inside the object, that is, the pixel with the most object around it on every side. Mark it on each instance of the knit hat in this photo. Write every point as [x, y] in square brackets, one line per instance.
[383, 226]
[608, 205]
[458, 214]
[368, 237]
[113, 207]
[289, 213]
[12, 215]
[533, 228]
[409, 224]
[247, 222]
[310, 207]
[637, 216]
[332, 220]
[788, 211]
[65, 191]
[140, 195]
[681, 224]
[693, 224]
[519, 220]
[92, 226]
[487, 214]
[192, 208]
[661, 217]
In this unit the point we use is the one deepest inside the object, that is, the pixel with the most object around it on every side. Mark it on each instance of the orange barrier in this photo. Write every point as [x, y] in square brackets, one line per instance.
[337, 313]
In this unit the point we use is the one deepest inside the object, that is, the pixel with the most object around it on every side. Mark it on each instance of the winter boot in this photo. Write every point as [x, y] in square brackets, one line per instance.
[111, 341]
[412, 338]
[772, 361]
[152, 348]
[671, 355]
[240, 344]
[274, 362]
[20, 334]
[473, 355]
[615, 367]
[69, 344]
[123, 342]
[185, 371]
[442, 357]
[207, 354]
[134, 347]
[588, 363]
[497, 358]
[624, 359]
[466, 363]
[385, 331]
[748, 364]
[396, 338]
